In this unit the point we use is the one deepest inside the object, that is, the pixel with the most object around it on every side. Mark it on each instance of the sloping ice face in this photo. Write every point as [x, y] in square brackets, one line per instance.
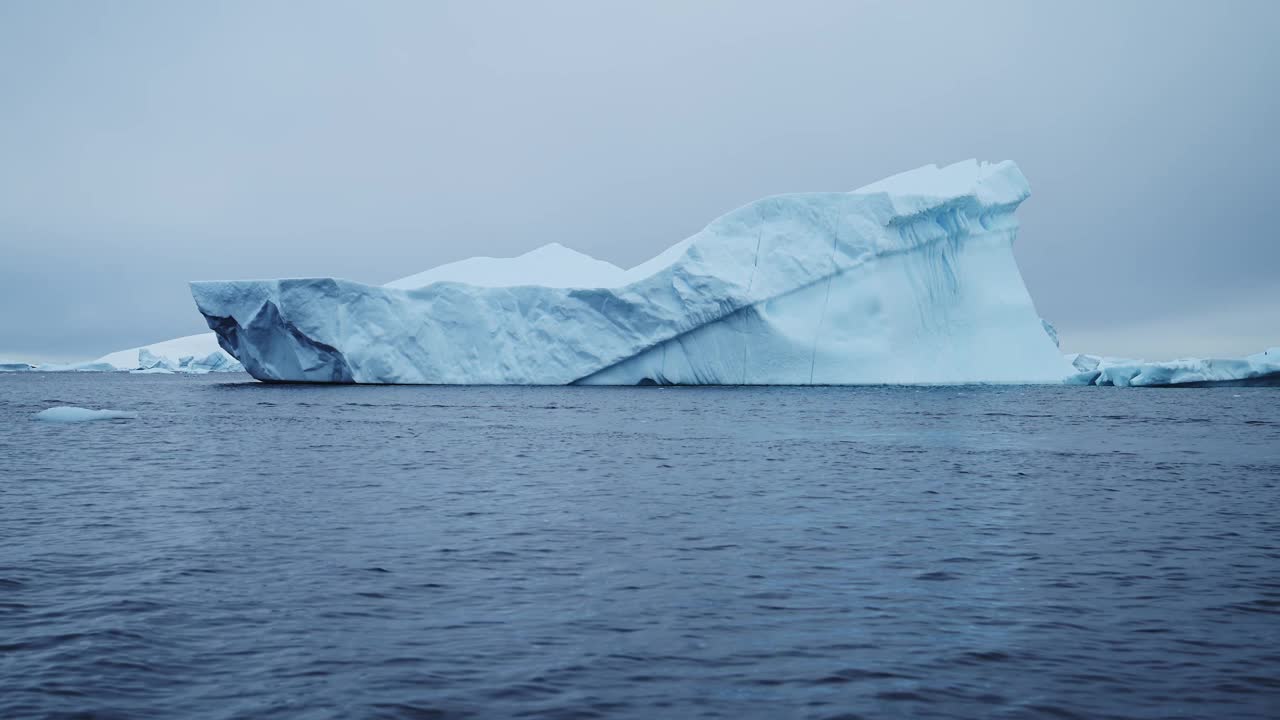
[909, 280]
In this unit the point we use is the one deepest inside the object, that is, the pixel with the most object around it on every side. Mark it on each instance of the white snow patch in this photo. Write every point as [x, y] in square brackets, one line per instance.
[552, 265]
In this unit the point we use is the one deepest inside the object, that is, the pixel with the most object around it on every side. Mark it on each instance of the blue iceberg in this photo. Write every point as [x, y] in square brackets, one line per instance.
[908, 280]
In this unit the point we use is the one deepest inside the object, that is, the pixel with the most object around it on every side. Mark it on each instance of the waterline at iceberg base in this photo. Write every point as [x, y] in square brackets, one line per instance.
[908, 280]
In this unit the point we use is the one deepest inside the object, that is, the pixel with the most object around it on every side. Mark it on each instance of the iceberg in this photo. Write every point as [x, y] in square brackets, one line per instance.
[201, 353]
[909, 280]
[1259, 369]
[190, 354]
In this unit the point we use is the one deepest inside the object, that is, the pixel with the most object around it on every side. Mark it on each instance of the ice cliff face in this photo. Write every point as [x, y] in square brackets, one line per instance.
[909, 280]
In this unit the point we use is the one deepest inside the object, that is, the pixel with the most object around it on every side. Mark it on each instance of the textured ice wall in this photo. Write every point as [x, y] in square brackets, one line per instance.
[908, 280]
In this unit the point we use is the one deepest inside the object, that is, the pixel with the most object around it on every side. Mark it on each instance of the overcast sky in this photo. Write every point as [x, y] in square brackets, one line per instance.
[143, 145]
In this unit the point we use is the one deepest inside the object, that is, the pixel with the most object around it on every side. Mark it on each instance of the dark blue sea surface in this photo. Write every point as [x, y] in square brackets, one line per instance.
[250, 550]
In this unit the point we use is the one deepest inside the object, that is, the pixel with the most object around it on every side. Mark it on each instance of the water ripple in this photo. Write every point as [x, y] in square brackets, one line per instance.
[245, 550]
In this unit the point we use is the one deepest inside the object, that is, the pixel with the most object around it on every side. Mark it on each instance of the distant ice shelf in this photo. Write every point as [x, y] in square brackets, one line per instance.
[908, 280]
[1259, 369]
[190, 354]
[195, 354]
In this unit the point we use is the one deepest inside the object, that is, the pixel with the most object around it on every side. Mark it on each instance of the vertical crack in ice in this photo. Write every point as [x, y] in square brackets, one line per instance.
[751, 281]
[826, 300]
[813, 355]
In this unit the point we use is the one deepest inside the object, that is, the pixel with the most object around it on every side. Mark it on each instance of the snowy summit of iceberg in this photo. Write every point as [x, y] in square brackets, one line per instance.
[908, 280]
[552, 265]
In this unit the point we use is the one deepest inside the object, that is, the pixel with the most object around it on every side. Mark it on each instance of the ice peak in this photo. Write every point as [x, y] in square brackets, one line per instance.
[998, 183]
[550, 265]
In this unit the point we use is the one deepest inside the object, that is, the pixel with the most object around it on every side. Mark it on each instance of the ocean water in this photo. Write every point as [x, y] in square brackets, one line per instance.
[248, 550]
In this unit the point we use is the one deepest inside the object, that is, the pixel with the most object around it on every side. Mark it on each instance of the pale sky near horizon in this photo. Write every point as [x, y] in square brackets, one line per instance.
[146, 144]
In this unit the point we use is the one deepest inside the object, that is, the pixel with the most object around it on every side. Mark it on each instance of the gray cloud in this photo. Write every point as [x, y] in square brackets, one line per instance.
[143, 145]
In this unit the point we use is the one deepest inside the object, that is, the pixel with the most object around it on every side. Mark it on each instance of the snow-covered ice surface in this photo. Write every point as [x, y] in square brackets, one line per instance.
[69, 414]
[1259, 369]
[909, 280]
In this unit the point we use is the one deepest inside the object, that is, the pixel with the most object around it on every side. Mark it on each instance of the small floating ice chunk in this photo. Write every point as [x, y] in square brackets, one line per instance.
[67, 414]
